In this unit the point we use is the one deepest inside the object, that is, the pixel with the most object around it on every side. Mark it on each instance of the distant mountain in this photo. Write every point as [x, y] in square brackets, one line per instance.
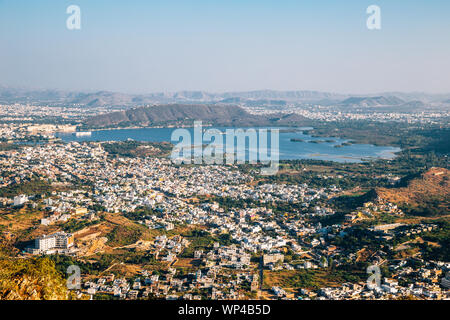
[284, 95]
[20, 95]
[250, 103]
[372, 101]
[178, 114]
[418, 96]
[258, 98]
[106, 98]
[413, 104]
[103, 98]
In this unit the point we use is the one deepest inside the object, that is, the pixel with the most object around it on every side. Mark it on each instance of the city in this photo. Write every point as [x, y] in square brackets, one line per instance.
[224, 159]
[197, 232]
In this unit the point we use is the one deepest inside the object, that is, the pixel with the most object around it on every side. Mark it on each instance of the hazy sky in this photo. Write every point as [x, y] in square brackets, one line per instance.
[226, 45]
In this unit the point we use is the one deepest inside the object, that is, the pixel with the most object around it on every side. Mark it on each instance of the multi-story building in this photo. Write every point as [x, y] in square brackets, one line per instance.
[58, 240]
[45, 243]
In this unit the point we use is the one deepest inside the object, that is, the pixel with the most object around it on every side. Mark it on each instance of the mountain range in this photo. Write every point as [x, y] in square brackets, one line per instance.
[246, 98]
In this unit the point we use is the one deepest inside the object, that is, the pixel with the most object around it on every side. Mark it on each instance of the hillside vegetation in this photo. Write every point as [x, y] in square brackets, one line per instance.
[31, 279]
[427, 195]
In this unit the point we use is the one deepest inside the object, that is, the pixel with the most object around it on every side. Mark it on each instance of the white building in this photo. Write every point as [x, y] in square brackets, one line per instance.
[58, 240]
[20, 200]
[45, 243]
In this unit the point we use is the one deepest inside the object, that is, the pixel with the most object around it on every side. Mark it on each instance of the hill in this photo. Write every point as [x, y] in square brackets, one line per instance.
[31, 279]
[178, 114]
[373, 101]
[426, 195]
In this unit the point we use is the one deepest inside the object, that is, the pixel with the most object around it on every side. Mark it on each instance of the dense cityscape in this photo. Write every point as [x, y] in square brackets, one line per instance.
[141, 227]
[224, 159]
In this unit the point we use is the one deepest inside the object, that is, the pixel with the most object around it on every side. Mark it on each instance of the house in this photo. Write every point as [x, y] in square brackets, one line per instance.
[20, 200]
[272, 258]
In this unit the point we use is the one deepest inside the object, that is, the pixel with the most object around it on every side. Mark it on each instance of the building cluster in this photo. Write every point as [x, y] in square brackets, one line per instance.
[434, 114]
[370, 209]
[25, 115]
[220, 199]
[426, 282]
[171, 285]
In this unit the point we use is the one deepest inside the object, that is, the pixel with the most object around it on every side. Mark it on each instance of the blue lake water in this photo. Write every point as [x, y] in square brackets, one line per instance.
[288, 149]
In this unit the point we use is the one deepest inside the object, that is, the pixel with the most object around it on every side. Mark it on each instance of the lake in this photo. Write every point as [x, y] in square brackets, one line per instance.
[294, 143]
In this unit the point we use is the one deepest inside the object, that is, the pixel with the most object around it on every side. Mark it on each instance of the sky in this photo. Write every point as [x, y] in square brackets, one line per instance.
[143, 46]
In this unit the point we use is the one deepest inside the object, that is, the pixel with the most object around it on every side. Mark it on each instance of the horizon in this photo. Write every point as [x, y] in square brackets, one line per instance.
[93, 91]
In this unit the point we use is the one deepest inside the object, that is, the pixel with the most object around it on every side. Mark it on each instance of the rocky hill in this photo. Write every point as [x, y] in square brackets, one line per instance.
[31, 279]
